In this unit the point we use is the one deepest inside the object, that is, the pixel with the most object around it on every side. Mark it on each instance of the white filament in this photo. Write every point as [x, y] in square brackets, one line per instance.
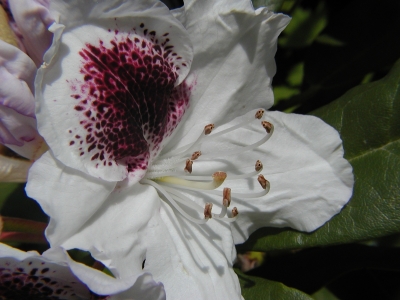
[167, 177]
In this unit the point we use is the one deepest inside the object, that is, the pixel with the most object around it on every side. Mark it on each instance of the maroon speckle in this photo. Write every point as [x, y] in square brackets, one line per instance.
[128, 103]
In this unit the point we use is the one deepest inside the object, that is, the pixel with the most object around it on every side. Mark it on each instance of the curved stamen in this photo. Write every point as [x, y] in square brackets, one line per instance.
[188, 148]
[207, 211]
[226, 197]
[206, 155]
[188, 167]
[179, 197]
[195, 155]
[235, 212]
[244, 195]
[248, 118]
[258, 168]
[263, 182]
[165, 174]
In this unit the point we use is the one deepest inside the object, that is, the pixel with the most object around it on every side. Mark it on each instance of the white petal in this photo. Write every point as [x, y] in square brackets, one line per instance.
[96, 81]
[113, 231]
[38, 274]
[303, 161]
[192, 261]
[68, 196]
[144, 288]
[116, 234]
[33, 18]
[233, 64]
[199, 9]
[100, 283]
[310, 180]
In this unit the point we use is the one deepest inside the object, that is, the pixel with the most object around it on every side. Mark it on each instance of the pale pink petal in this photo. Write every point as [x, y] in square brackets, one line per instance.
[32, 19]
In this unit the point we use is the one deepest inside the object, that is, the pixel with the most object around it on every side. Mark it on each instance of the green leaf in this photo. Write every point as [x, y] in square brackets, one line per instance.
[259, 288]
[305, 26]
[362, 46]
[368, 119]
[324, 294]
[6, 189]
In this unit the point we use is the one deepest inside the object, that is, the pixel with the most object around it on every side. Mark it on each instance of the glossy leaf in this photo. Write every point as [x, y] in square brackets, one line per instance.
[254, 288]
[360, 39]
[368, 119]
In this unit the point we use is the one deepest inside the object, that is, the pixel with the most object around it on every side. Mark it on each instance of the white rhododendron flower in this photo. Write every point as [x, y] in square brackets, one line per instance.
[161, 151]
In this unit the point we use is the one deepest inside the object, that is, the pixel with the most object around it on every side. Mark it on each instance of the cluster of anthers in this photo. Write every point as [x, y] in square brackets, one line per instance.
[163, 174]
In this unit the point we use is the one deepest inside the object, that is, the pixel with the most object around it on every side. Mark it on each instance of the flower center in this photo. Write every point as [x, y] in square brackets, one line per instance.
[172, 174]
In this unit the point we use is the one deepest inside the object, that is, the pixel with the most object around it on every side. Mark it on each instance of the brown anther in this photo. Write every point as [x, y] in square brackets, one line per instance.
[207, 211]
[219, 176]
[258, 166]
[259, 114]
[208, 128]
[195, 155]
[263, 182]
[234, 212]
[226, 195]
[267, 126]
[188, 167]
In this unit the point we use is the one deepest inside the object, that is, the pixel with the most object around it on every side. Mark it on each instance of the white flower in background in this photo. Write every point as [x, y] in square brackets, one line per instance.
[29, 275]
[23, 40]
[155, 129]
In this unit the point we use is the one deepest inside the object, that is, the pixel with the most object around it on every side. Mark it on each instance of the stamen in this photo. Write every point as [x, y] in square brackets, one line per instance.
[245, 195]
[195, 155]
[208, 128]
[235, 212]
[172, 201]
[246, 120]
[263, 182]
[188, 167]
[258, 168]
[207, 154]
[226, 195]
[165, 176]
[218, 179]
[259, 114]
[267, 126]
[226, 200]
[207, 211]
[179, 197]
